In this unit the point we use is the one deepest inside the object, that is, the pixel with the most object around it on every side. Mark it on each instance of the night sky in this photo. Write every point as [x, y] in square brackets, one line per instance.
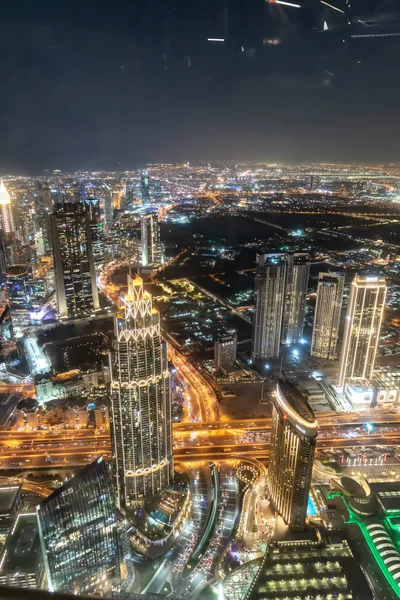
[116, 84]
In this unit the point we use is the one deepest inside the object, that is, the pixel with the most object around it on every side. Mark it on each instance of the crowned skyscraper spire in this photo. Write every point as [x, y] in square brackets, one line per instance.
[140, 407]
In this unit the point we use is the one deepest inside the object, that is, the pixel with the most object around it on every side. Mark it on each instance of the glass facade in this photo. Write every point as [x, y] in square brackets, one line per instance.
[152, 250]
[145, 187]
[77, 294]
[297, 272]
[362, 328]
[327, 315]
[96, 229]
[269, 301]
[78, 530]
[140, 404]
[280, 298]
[293, 438]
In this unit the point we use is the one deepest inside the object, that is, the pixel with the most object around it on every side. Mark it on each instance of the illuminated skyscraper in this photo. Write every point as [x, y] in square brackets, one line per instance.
[75, 277]
[140, 407]
[44, 206]
[145, 187]
[293, 438]
[270, 284]
[362, 328]
[152, 249]
[108, 206]
[7, 218]
[297, 272]
[327, 315]
[78, 533]
[157, 190]
[96, 229]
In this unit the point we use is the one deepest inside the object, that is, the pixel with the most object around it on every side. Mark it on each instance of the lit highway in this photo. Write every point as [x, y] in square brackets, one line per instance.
[200, 391]
[68, 453]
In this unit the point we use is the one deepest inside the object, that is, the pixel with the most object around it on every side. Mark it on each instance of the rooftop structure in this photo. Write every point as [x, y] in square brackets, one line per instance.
[21, 563]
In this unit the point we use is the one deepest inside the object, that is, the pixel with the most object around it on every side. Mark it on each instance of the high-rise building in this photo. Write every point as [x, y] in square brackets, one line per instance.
[225, 351]
[293, 438]
[116, 199]
[140, 407]
[108, 208]
[327, 315]
[19, 287]
[145, 187]
[10, 505]
[96, 229]
[44, 208]
[78, 533]
[152, 249]
[270, 282]
[7, 217]
[362, 328]
[157, 190]
[75, 276]
[297, 272]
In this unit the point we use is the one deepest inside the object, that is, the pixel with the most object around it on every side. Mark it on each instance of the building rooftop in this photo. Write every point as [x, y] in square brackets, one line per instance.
[22, 548]
[388, 495]
[16, 270]
[296, 401]
[8, 497]
[309, 569]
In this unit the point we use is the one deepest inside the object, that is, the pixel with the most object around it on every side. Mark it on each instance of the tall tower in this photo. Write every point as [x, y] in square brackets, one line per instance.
[362, 328]
[152, 250]
[7, 218]
[145, 187]
[108, 206]
[140, 406]
[270, 284]
[75, 277]
[327, 315]
[298, 270]
[78, 533]
[96, 229]
[293, 438]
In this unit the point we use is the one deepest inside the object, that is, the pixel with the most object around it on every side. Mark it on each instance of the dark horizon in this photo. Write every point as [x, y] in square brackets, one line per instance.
[109, 85]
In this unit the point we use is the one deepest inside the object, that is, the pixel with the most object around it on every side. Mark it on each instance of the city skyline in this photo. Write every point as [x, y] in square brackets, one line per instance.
[190, 433]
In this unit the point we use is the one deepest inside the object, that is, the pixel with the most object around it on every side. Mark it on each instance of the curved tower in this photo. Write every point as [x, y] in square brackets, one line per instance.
[294, 432]
[140, 407]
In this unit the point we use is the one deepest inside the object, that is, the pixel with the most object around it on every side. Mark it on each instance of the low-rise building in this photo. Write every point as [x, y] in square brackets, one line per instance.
[387, 385]
[225, 351]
